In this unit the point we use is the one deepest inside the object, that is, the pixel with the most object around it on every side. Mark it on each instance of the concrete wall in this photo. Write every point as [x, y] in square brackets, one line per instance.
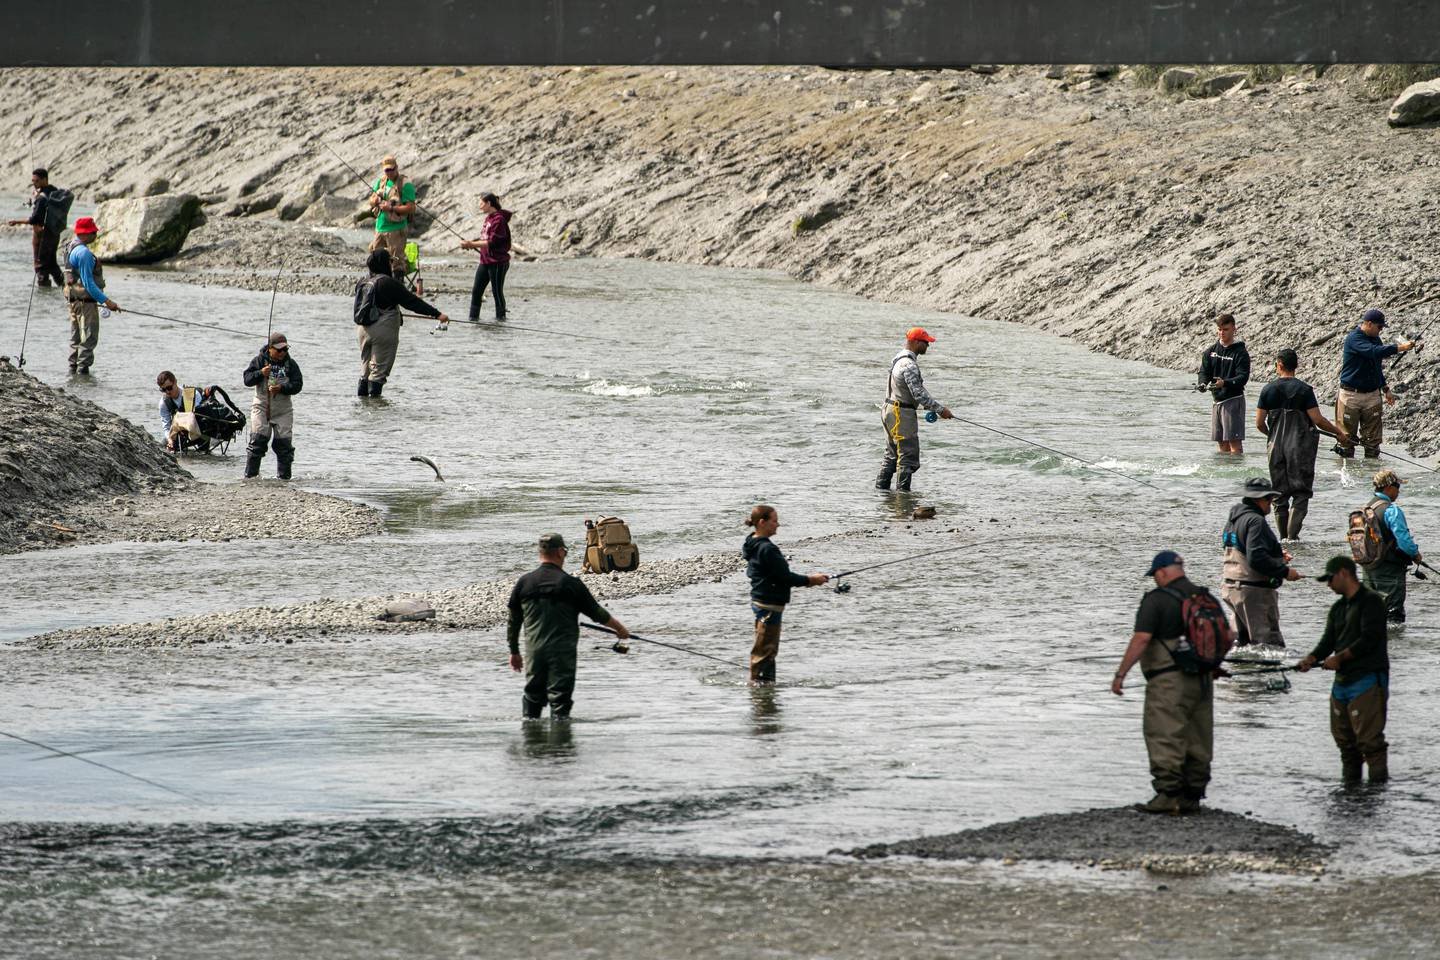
[872, 32]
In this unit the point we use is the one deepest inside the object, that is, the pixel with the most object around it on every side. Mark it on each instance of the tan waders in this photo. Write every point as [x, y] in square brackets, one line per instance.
[1255, 601]
[84, 332]
[379, 343]
[1358, 727]
[1179, 738]
[767, 641]
[1362, 416]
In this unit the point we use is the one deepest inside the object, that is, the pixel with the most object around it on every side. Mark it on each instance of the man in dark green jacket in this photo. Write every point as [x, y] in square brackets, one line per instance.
[1354, 645]
[548, 602]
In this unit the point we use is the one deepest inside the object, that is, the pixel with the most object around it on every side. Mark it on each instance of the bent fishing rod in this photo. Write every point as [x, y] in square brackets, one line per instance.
[620, 647]
[25, 335]
[845, 587]
[196, 323]
[513, 326]
[274, 289]
[103, 766]
[1058, 453]
[374, 192]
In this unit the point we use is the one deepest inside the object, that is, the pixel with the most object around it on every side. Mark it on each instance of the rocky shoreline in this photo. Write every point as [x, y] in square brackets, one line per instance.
[1096, 203]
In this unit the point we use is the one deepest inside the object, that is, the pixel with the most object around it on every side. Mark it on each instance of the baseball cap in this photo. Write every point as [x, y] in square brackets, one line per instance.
[1334, 565]
[1164, 558]
[918, 333]
[1386, 478]
[552, 541]
[86, 225]
[389, 162]
[1373, 316]
[1258, 488]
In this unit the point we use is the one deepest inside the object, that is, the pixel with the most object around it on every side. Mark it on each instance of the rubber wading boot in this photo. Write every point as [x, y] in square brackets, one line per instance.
[1190, 803]
[376, 386]
[364, 389]
[902, 481]
[1350, 770]
[1161, 803]
[882, 482]
[1282, 522]
[1379, 764]
[284, 457]
[1297, 520]
[254, 453]
[1372, 453]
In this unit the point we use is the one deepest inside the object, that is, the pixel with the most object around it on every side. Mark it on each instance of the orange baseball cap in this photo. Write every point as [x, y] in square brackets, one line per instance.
[918, 333]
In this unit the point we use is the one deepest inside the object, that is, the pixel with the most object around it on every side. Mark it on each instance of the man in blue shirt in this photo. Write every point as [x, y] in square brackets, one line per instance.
[1387, 575]
[1362, 382]
[84, 293]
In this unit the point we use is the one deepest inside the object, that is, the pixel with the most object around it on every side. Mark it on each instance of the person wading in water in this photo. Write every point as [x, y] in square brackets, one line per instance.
[494, 247]
[770, 582]
[905, 393]
[1224, 371]
[1288, 414]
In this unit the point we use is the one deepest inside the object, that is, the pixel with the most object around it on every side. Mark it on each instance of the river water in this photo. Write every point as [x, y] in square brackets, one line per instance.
[378, 796]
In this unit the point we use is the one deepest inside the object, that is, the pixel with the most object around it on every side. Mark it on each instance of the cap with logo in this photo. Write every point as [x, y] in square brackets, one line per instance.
[1334, 565]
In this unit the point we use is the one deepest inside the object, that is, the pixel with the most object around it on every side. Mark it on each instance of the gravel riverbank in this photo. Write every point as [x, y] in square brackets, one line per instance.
[1082, 200]
[1122, 838]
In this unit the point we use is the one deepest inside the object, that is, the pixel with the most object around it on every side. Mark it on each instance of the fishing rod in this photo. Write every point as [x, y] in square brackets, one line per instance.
[274, 289]
[1413, 463]
[513, 326]
[373, 191]
[26, 333]
[845, 587]
[102, 766]
[620, 647]
[196, 323]
[1059, 453]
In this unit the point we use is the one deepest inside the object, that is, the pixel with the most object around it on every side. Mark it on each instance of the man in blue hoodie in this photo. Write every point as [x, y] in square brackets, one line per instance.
[1255, 566]
[1359, 405]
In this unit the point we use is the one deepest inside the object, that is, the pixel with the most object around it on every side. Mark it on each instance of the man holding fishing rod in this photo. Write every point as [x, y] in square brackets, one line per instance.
[392, 202]
[84, 295]
[548, 602]
[904, 394]
[1363, 395]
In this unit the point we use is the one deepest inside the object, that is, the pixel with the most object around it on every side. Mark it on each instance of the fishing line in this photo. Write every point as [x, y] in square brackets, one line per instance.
[672, 646]
[26, 333]
[102, 766]
[196, 323]
[377, 193]
[1069, 456]
[513, 326]
[887, 563]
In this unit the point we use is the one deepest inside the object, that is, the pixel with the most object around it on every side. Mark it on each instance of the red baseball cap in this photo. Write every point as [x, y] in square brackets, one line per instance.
[86, 225]
[918, 333]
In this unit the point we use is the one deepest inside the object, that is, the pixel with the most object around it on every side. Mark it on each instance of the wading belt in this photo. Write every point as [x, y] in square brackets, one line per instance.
[1251, 583]
[1152, 674]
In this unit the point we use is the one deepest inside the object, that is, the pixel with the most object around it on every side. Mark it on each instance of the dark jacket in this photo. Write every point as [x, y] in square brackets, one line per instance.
[1356, 624]
[293, 382]
[769, 571]
[495, 236]
[1360, 366]
[1231, 364]
[548, 602]
[1247, 531]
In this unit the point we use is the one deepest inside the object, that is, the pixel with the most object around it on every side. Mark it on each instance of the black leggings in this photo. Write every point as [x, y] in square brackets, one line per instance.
[493, 275]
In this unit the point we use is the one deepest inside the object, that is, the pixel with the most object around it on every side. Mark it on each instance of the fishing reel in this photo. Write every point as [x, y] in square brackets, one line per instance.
[620, 646]
[931, 416]
[440, 328]
[842, 588]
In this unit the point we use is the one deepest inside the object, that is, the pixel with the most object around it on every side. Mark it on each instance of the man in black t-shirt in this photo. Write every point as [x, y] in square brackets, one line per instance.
[1288, 414]
[1179, 721]
[44, 236]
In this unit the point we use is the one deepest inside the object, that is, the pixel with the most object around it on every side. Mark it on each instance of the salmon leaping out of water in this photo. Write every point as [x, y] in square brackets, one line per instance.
[429, 463]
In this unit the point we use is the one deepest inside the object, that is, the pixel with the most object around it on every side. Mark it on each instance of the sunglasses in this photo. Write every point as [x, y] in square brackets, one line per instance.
[167, 388]
[389, 171]
[280, 347]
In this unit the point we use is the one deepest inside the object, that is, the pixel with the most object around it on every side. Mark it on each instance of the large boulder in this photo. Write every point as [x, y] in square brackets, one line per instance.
[1220, 83]
[144, 229]
[1417, 103]
[1176, 79]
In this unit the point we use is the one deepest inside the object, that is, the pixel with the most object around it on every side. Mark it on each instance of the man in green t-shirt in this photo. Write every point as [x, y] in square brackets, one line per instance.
[392, 201]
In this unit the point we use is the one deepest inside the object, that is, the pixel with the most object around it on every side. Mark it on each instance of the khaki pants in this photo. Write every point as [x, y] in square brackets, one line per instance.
[1257, 613]
[84, 332]
[1361, 414]
[378, 345]
[767, 644]
[393, 241]
[1179, 730]
[1359, 727]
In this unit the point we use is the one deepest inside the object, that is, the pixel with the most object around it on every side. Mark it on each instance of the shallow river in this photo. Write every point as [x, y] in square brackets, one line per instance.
[378, 796]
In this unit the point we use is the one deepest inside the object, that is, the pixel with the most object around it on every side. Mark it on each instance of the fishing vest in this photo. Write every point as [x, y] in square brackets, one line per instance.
[897, 391]
[75, 290]
[1237, 569]
[393, 195]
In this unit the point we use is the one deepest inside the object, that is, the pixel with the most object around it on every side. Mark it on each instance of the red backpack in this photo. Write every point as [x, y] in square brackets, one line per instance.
[1208, 637]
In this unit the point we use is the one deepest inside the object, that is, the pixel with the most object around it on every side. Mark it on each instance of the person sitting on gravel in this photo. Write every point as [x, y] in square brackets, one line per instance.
[548, 602]
[177, 412]
[1179, 722]
[276, 378]
[1360, 402]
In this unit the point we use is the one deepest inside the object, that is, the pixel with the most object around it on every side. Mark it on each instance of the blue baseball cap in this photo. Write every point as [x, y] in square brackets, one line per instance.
[1375, 317]
[1164, 558]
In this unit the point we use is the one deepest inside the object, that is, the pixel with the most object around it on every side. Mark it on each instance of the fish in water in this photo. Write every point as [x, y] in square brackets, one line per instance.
[429, 463]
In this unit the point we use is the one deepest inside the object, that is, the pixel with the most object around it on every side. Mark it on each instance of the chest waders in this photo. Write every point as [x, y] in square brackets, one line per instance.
[84, 312]
[1254, 597]
[902, 434]
[1294, 441]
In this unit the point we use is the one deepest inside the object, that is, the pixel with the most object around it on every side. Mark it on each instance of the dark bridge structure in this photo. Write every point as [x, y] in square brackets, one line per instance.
[879, 33]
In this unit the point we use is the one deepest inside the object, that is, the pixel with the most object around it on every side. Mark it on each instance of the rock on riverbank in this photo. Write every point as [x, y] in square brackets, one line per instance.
[476, 606]
[1212, 841]
[1100, 208]
[73, 473]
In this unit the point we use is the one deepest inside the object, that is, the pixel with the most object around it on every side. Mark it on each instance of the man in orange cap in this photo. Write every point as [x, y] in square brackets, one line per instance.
[84, 293]
[906, 393]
